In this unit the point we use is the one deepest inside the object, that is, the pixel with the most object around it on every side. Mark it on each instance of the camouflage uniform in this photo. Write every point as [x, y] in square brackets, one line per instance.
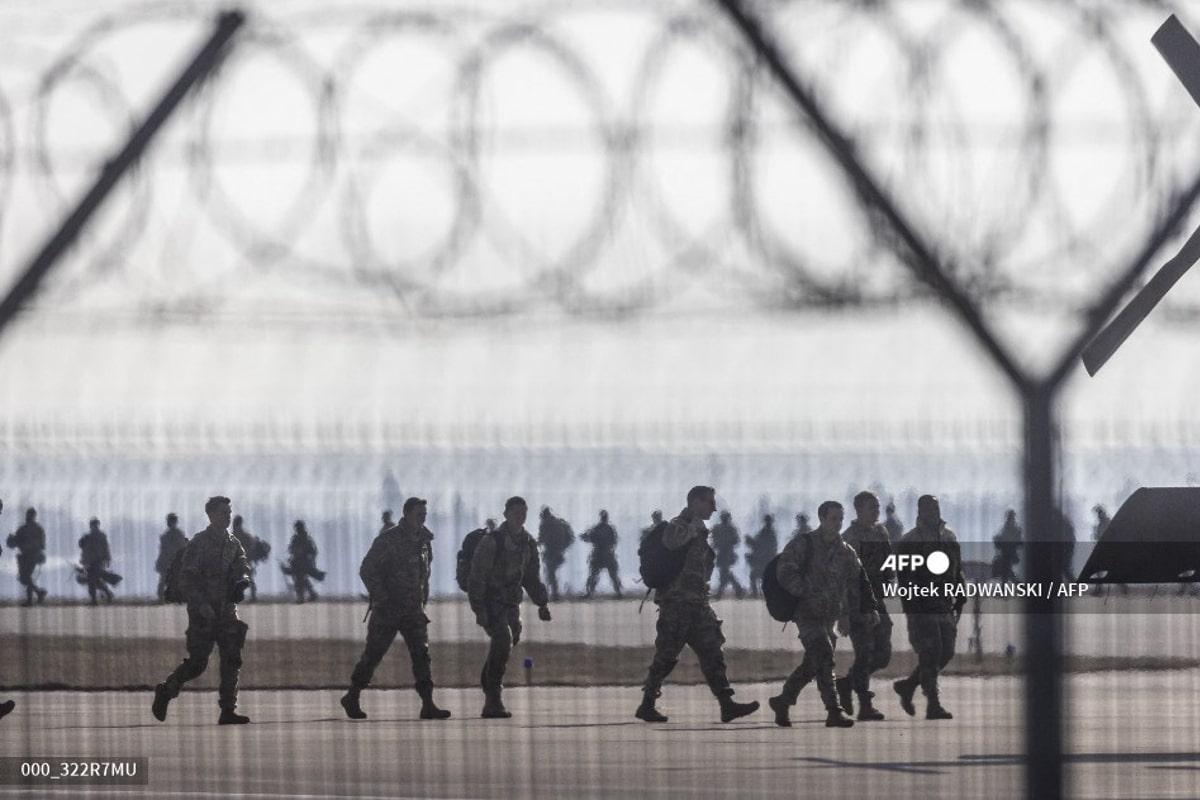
[504, 563]
[872, 645]
[30, 541]
[214, 565]
[554, 536]
[761, 549]
[825, 575]
[684, 614]
[396, 574]
[603, 539]
[302, 564]
[725, 538]
[932, 621]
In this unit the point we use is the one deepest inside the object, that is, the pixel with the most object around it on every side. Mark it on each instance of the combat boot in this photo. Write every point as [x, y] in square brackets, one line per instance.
[780, 706]
[161, 699]
[7, 707]
[835, 719]
[845, 694]
[429, 709]
[493, 707]
[866, 711]
[231, 717]
[906, 691]
[935, 711]
[350, 703]
[646, 712]
[731, 709]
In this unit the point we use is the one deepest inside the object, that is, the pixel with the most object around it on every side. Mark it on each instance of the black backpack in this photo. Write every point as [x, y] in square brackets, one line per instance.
[658, 565]
[172, 588]
[781, 604]
[462, 570]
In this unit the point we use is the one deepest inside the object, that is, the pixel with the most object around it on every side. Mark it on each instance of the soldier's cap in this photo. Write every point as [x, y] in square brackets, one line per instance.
[173, 518]
[94, 521]
[412, 503]
[298, 525]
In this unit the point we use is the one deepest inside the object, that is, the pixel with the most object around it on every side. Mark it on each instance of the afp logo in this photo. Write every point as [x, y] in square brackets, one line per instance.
[937, 562]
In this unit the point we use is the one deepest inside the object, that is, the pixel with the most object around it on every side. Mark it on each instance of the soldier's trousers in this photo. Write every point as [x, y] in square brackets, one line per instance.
[872, 650]
[932, 637]
[504, 631]
[228, 633]
[756, 573]
[596, 565]
[697, 626]
[727, 579]
[384, 624]
[818, 640]
[552, 561]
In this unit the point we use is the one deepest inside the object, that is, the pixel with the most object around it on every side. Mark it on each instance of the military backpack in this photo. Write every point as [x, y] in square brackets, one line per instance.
[462, 569]
[781, 604]
[658, 565]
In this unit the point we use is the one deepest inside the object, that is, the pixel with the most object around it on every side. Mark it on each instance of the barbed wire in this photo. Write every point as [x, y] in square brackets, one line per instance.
[479, 159]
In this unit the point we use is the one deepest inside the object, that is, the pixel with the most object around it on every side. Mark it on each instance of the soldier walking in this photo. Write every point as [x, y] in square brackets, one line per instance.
[685, 617]
[302, 564]
[170, 542]
[825, 576]
[257, 551]
[504, 563]
[554, 536]
[94, 559]
[386, 519]
[603, 539]
[895, 527]
[1008, 545]
[872, 644]
[932, 620]
[655, 520]
[30, 543]
[725, 538]
[396, 574]
[760, 550]
[213, 579]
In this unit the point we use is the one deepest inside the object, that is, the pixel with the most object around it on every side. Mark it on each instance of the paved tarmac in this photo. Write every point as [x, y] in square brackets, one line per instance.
[1130, 734]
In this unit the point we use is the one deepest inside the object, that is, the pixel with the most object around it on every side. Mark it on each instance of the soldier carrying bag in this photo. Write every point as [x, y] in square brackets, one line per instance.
[781, 604]
[657, 564]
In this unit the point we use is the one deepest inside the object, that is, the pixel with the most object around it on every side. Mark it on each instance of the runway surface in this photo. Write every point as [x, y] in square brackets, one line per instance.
[1130, 734]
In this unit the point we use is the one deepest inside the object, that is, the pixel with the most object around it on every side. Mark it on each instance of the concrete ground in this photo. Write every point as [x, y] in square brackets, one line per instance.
[1130, 734]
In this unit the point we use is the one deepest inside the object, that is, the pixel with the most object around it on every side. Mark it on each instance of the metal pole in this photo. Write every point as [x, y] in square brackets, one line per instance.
[202, 64]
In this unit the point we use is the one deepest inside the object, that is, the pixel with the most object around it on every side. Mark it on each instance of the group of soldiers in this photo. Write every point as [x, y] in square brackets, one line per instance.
[836, 580]
[95, 558]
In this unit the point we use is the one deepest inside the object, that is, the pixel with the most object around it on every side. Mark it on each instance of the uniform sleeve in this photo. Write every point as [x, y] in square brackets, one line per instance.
[425, 575]
[481, 566]
[866, 601]
[532, 579]
[371, 574]
[239, 570]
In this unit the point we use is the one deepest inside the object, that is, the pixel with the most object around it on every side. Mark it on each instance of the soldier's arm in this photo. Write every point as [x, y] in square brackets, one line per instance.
[371, 574]
[532, 579]
[866, 601]
[789, 572]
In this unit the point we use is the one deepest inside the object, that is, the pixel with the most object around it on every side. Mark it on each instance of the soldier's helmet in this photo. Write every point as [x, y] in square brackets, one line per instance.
[768, 519]
[299, 526]
[237, 521]
[546, 512]
[30, 514]
[94, 522]
[172, 518]
[656, 515]
[603, 515]
[725, 516]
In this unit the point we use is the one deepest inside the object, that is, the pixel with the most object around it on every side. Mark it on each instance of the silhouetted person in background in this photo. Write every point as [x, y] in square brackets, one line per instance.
[386, 519]
[554, 537]
[94, 559]
[1098, 529]
[257, 551]
[170, 542]
[603, 538]
[892, 523]
[802, 526]
[302, 564]
[1008, 542]
[30, 542]
[725, 539]
[760, 550]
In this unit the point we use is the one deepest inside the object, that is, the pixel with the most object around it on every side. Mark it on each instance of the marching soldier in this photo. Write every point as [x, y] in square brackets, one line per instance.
[504, 563]
[725, 538]
[213, 579]
[257, 551]
[760, 550]
[603, 539]
[872, 644]
[685, 617]
[554, 537]
[30, 542]
[396, 574]
[170, 542]
[302, 564]
[825, 576]
[932, 620]
[94, 559]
